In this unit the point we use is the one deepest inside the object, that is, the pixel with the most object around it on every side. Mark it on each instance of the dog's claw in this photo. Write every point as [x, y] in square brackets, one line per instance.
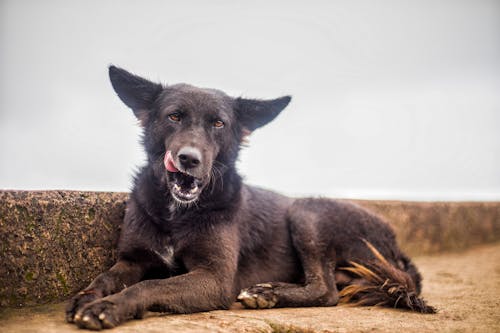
[98, 315]
[243, 295]
[89, 323]
[262, 303]
[77, 303]
[260, 296]
[247, 300]
[107, 321]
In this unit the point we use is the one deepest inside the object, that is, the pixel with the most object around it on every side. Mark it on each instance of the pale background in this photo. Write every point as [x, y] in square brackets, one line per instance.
[392, 99]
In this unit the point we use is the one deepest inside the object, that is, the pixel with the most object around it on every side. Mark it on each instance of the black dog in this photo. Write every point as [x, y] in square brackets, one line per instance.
[194, 235]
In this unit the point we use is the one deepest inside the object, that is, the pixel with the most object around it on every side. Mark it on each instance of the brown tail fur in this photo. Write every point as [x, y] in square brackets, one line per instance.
[380, 283]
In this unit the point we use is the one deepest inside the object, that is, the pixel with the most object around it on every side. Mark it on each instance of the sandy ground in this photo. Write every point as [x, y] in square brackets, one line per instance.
[465, 287]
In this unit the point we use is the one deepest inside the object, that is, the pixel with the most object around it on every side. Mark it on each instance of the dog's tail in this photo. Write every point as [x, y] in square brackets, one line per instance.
[380, 283]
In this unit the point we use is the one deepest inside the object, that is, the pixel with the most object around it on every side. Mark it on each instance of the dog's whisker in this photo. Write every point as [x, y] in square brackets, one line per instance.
[220, 175]
[212, 181]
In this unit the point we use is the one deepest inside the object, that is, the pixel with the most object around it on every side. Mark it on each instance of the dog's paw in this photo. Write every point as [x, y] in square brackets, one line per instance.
[260, 296]
[78, 302]
[98, 315]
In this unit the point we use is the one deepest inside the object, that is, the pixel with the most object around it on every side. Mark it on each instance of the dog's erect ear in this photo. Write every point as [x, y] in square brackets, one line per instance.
[137, 93]
[254, 113]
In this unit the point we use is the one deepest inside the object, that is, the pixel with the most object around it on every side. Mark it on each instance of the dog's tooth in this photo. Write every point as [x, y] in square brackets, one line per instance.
[194, 190]
[102, 316]
[86, 318]
[177, 187]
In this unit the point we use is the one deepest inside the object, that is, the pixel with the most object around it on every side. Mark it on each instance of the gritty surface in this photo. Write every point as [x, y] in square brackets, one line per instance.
[465, 287]
[53, 243]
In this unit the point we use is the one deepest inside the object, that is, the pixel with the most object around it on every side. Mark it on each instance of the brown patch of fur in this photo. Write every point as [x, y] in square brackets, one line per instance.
[382, 284]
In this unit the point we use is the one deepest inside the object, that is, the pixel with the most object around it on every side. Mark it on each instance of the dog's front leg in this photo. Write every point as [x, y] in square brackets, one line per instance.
[122, 274]
[211, 263]
[199, 290]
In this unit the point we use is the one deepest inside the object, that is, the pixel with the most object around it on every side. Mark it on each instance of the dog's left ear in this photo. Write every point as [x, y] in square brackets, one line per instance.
[254, 113]
[136, 92]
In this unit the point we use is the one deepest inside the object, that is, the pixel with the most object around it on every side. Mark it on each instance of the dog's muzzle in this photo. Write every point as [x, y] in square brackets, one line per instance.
[185, 187]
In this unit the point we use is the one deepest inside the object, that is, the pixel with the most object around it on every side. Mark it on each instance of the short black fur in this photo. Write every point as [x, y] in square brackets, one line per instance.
[196, 238]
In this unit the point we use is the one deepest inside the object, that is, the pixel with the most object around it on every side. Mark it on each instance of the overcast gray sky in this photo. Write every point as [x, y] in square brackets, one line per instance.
[392, 99]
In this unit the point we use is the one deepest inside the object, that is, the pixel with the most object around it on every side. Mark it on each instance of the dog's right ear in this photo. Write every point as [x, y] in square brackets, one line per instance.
[137, 93]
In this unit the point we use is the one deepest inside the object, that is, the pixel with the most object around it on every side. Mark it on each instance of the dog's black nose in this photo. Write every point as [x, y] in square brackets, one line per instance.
[189, 157]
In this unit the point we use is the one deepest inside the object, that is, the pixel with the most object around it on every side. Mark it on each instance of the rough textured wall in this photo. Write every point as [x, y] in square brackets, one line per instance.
[53, 243]
[431, 227]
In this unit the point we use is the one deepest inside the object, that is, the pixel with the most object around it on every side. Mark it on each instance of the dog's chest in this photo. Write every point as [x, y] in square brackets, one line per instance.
[167, 256]
[166, 253]
[166, 246]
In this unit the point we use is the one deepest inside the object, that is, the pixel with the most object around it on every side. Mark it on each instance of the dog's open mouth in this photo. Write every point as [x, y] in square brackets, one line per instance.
[185, 188]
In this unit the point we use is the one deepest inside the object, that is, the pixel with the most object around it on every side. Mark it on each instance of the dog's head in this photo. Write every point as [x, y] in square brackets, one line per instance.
[191, 135]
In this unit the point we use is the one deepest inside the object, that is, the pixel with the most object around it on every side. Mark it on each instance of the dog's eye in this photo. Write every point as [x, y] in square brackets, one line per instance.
[175, 117]
[218, 124]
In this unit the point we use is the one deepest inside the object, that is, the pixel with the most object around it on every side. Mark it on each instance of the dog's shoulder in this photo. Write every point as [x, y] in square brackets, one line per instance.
[262, 197]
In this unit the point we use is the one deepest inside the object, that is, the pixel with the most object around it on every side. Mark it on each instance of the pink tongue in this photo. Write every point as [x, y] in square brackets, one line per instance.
[169, 162]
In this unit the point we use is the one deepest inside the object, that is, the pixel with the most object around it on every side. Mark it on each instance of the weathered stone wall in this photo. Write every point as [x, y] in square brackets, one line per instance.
[53, 243]
[431, 227]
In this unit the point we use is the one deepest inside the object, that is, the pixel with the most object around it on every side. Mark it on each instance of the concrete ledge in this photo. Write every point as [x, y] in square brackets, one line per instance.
[465, 288]
[53, 243]
[434, 227]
